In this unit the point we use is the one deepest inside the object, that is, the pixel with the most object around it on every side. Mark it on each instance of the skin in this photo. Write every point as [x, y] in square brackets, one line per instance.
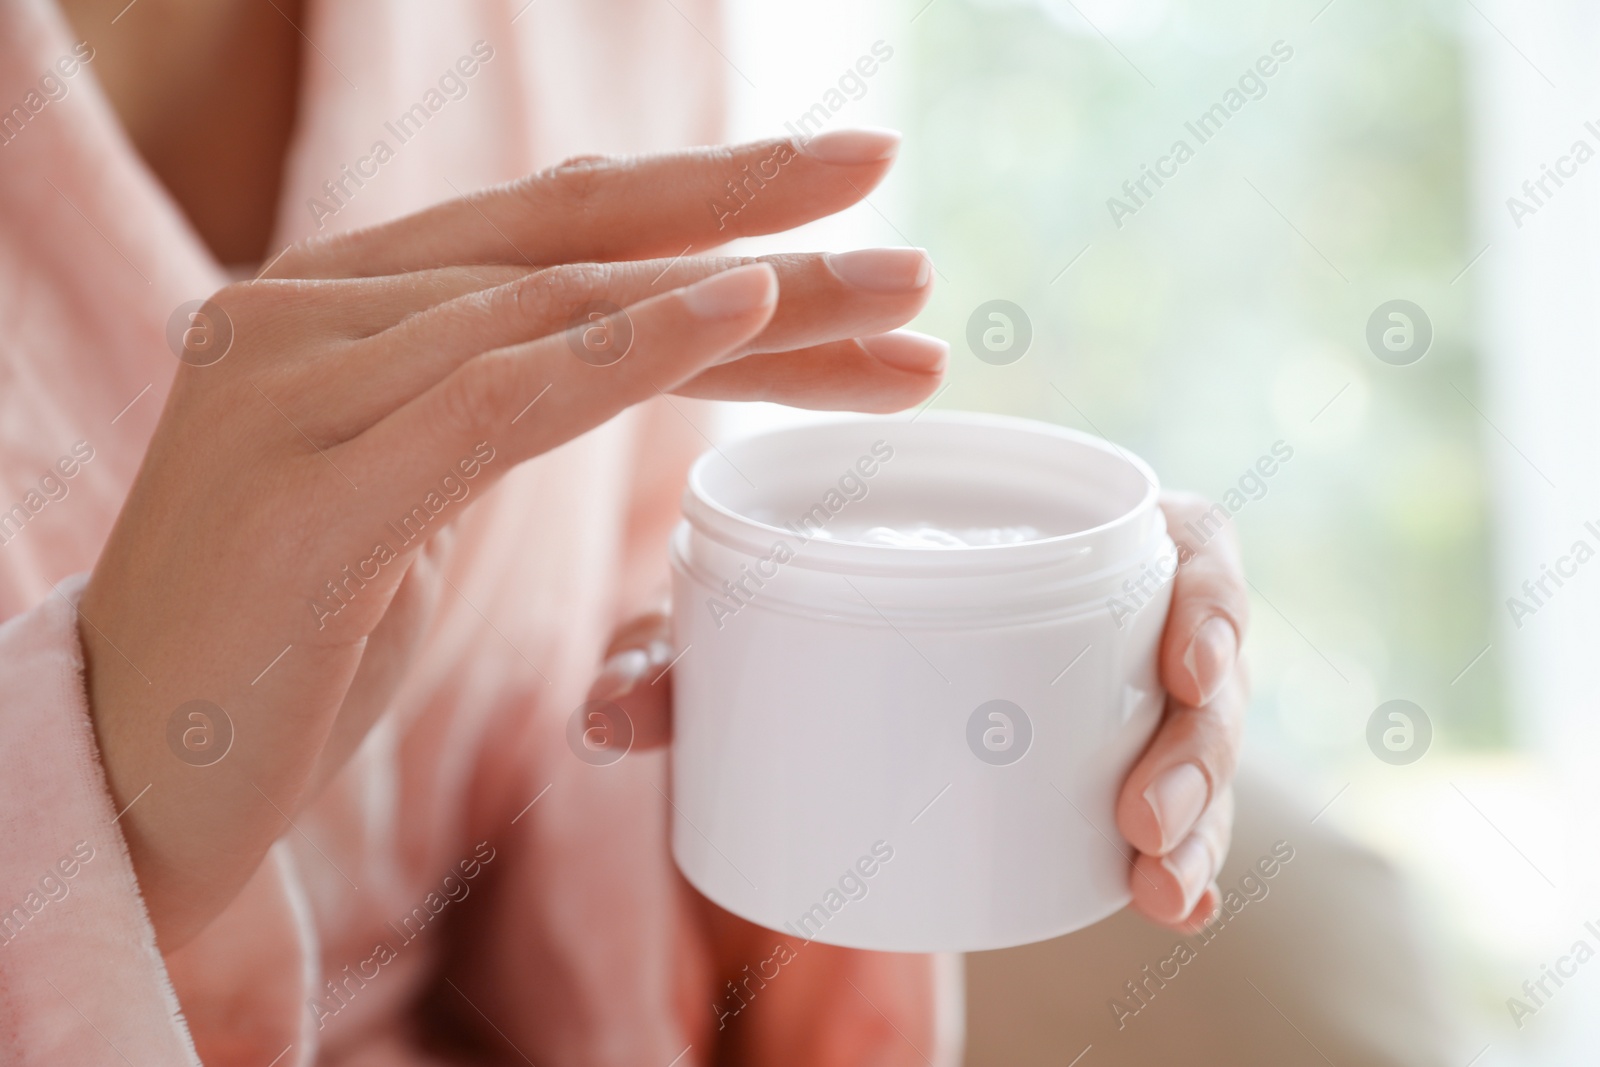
[350, 369]
[206, 91]
[382, 359]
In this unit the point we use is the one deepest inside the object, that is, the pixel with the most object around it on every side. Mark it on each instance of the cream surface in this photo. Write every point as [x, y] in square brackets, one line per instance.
[927, 535]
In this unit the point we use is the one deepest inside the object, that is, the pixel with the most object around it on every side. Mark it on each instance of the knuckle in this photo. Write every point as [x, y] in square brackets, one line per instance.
[300, 258]
[574, 283]
[476, 278]
[517, 302]
[581, 161]
[546, 298]
[573, 185]
[476, 397]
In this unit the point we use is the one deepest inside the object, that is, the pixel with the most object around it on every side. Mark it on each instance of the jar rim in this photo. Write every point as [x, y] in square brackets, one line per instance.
[1129, 527]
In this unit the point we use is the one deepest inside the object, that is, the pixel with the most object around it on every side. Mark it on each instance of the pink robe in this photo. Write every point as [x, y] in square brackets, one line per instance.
[422, 866]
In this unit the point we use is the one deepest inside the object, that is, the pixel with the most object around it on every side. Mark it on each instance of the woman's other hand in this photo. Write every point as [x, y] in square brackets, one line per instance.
[1176, 808]
[273, 556]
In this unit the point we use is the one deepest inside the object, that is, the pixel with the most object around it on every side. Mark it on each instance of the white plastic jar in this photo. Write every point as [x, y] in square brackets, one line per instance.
[918, 659]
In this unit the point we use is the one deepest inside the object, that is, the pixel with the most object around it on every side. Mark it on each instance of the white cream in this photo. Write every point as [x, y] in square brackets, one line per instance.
[926, 535]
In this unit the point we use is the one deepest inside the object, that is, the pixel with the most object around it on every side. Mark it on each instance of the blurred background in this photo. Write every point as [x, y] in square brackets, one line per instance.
[1243, 303]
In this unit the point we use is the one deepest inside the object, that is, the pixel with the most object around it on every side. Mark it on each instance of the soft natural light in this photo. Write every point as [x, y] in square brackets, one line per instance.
[1226, 313]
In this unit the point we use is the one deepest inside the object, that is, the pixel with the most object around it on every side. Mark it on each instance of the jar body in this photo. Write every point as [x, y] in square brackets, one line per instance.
[865, 769]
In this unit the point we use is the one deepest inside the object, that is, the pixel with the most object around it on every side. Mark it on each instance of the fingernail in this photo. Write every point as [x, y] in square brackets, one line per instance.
[904, 350]
[1210, 656]
[1176, 798]
[882, 270]
[622, 671]
[866, 144]
[1190, 864]
[1215, 892]
[733, 292]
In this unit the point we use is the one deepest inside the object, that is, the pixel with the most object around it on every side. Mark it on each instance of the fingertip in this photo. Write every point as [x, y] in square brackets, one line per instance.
[1175, 799]
[906, 350]
[882, 270]
[852, 147]
[1157, 895]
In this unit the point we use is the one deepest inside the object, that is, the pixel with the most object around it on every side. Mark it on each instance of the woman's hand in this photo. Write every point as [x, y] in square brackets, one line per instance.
[1176, 807]
[273, 556]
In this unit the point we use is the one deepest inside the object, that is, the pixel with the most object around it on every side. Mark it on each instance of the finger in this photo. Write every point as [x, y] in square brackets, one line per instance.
[635, 678]
[383, 665]
[884, 373]
[610, 208]
[482, 407]
[347, 308]
[361, 307]
[822, 299]
[1210, 600]
[1173, 889]
[1190, 760]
